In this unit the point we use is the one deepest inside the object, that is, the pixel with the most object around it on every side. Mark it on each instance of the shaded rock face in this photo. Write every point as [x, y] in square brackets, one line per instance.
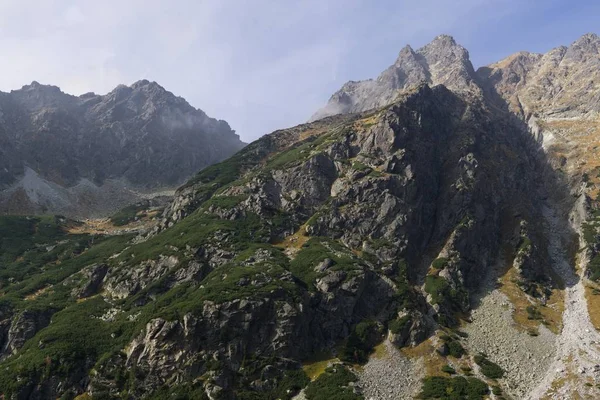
[14, 334]
[61, 153]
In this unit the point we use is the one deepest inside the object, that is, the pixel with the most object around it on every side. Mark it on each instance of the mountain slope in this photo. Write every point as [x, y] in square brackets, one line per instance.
[354, 225]
[93, 154]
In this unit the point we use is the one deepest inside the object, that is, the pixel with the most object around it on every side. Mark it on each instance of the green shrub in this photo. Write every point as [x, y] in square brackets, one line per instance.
[333, 384]
[440, 263]
[455, 388]
[533, 313]
[455, 349]
[316, 250]
[361, 341]
[287, 386]
[489, 368]
[594, 268]
[448, 369]
[436, 286]
[397, 325]
[128, 214]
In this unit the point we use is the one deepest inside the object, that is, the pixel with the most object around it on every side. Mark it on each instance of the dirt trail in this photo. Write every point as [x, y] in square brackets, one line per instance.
[575, 370]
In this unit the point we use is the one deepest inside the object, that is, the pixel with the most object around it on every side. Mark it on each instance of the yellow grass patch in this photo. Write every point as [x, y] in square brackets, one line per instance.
[38, 293]
[317, 364]
[432, 360]
[380, 351]
[551, 312]
[293, 243]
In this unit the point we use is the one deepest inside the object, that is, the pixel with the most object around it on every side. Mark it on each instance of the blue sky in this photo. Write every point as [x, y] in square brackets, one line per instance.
[260, 64]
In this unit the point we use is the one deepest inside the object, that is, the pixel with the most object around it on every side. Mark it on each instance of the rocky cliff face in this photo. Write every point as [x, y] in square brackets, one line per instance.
[92, 153]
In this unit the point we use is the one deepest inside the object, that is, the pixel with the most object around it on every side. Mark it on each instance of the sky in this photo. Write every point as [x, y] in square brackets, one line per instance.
[261, 65]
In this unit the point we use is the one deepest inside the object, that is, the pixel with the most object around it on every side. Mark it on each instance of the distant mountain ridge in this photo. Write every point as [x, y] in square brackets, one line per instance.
[551, 83]
[92, 153]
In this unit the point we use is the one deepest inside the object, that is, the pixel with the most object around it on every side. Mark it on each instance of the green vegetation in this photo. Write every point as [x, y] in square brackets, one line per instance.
[455, 349]
[180, 392]
[228, 282]
[333, 385]
[129, 214]
[315, 251]
[287, 383]
[533, 313]
[397, 325]
[302, 151]
[489, 368]
[360, 166]
[440, 263]
[37, 257]
[27, 243]
[75, 336]
[594, 268]
[437, 287]
[448, 369]
[197, 230]
[590, 228]
[441, 291]
[361, 341]
[455, 388]
[225, 202]
[36, 253]
[591, 238]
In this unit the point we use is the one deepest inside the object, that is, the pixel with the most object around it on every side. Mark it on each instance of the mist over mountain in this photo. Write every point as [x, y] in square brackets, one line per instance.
[92, 154]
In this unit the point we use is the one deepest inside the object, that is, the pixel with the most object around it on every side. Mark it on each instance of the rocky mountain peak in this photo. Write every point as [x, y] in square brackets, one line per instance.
[442, 61]
[444, 40]
[406, 52]
[587, 40]
[36, 96]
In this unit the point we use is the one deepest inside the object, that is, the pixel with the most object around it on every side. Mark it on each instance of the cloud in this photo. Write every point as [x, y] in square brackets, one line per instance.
[259, 64]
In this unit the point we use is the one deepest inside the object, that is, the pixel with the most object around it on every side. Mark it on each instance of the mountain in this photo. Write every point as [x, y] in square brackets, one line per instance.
[93, 154]
[441, 62]
[443, 244]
